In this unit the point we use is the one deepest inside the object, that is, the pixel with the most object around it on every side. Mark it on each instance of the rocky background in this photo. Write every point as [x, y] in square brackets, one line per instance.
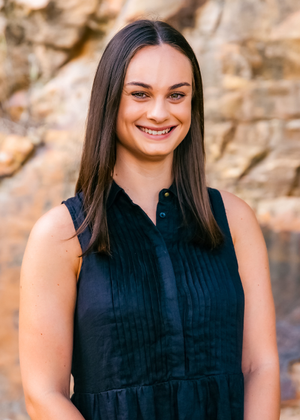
[249, 53]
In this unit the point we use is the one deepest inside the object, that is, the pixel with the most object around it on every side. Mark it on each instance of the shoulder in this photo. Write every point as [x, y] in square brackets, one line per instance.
[241, 218]
[51, 238]
[235, 205]
[56, 223]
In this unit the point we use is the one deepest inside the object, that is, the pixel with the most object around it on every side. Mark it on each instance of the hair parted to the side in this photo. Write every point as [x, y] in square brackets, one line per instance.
[99, 150]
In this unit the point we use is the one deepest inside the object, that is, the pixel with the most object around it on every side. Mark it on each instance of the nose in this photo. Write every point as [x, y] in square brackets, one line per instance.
[158, 110]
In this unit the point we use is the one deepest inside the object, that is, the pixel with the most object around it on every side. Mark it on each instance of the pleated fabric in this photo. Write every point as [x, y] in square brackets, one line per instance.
[158, 326]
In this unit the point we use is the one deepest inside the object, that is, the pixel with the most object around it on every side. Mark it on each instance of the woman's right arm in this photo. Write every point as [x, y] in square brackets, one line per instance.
[47, 302]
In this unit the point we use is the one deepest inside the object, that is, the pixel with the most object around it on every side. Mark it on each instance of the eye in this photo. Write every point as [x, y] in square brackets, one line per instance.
[139, 95]
[176, 96]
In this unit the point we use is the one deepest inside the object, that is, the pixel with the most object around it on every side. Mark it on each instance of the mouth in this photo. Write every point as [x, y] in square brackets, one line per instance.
[161, 132]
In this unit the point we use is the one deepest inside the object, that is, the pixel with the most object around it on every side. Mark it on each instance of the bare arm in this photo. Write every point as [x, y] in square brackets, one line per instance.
[47, 301]
[260, 362]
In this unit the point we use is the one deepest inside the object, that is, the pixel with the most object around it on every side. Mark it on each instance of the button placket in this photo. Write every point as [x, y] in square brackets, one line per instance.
[170, 306]
[164, 212]
[162, 203]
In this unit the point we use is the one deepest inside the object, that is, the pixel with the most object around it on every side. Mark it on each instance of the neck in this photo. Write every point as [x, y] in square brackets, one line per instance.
[143, 180]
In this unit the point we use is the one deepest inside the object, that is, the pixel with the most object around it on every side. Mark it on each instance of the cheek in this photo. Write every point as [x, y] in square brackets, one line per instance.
[184, 113]
[122, 118]
[127, 115]
[129, 110]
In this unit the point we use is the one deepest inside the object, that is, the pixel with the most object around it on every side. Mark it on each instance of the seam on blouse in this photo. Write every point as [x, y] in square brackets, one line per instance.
[164, 382]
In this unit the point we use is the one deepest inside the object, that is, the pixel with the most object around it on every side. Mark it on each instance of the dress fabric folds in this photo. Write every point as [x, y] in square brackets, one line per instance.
[158, 325]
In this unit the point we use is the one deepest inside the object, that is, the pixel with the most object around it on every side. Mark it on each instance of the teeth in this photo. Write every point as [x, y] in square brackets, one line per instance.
[155, 133]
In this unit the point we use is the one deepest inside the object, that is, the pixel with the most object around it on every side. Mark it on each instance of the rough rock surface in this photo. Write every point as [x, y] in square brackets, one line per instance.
[37, 187]
[14, 150]
[249, 54]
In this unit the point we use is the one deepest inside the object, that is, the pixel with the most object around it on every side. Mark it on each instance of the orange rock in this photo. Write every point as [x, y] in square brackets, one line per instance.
[17, 104]
[14, 150]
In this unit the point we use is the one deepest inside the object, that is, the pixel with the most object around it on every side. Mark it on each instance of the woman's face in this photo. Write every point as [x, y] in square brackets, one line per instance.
[155, 109]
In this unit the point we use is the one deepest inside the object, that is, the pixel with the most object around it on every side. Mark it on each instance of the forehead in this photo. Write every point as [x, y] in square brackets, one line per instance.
[159, 66]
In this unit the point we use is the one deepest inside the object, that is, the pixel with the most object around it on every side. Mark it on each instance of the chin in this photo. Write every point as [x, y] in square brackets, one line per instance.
[158, 153]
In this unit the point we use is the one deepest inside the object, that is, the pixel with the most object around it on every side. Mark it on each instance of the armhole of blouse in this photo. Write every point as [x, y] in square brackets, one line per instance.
[219, 212]
[75, 207]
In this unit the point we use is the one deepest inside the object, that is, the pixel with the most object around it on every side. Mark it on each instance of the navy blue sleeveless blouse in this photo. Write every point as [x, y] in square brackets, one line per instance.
[158, 326]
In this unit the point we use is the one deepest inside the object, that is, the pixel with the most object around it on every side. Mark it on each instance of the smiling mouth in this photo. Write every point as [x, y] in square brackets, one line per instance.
[156, 132]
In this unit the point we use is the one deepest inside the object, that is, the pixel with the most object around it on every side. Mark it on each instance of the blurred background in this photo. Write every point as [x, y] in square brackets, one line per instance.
[249, 54]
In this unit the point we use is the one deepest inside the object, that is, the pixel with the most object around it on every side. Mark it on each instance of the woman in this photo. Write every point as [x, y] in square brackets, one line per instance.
[145, 302]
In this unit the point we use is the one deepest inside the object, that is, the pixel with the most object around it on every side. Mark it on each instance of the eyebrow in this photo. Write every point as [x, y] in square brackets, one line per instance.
[144, 85]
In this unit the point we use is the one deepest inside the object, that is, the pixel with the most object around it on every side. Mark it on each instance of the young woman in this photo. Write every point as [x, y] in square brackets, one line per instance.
[160, 304]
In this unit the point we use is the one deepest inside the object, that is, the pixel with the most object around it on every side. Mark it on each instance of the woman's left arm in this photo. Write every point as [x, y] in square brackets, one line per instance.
[260, 363]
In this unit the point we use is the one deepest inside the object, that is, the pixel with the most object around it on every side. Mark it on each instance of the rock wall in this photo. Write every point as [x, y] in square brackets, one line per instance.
[249, 54]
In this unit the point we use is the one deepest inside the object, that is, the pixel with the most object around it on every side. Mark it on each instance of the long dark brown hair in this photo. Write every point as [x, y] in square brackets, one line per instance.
[99, 151]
